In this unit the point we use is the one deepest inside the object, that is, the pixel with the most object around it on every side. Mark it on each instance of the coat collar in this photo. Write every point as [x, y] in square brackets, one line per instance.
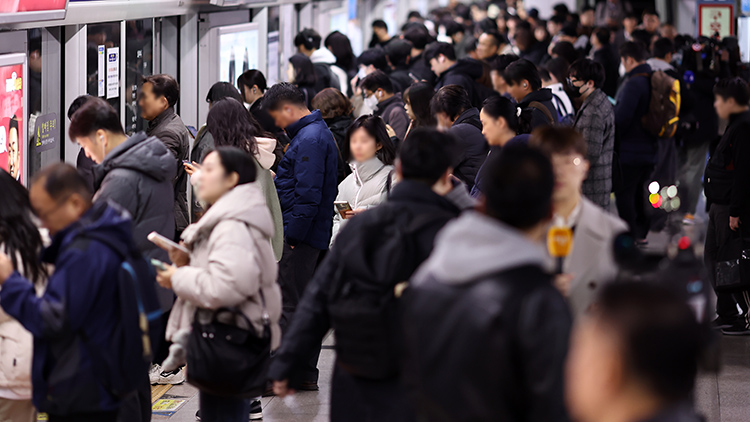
[413, 191]
[366, 170]
[293, 129]
[383, 105]
[165, 116]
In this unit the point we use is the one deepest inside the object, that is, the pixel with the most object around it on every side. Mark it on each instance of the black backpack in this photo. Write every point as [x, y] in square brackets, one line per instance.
[127, 359]
[362, 302]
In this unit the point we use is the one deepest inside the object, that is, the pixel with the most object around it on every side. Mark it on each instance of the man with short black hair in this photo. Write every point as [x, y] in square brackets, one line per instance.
[455, 115]
[80, 310]
[637, 148]
[651, 21]
[727, 187]
[306, 183]
[380, 36]
[465, 72]
[398, 53]
[485, 288]
[419, 203]
[497, 68]
[84, 164]
[490, 44]
[461, 40]
[596, 122]
[603, 52]
[328, 74]
[379, 95]
[159, 94]
[525, 86]
[419, 37]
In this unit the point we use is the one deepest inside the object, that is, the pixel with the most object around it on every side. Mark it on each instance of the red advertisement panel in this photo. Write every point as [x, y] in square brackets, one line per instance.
[11, 120]
[9, 6]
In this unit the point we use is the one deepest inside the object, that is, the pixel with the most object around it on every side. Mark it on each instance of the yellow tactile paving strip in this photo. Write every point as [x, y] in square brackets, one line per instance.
[157, 391]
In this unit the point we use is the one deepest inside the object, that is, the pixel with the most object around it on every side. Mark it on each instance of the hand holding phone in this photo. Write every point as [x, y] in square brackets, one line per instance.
[165, 243]
[342, 207]
[159, 264]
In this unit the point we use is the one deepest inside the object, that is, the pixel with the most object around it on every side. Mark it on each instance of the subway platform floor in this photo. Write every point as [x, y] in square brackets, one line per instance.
[720, 397]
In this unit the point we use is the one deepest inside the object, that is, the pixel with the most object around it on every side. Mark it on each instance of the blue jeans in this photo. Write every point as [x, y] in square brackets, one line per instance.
[223, 409]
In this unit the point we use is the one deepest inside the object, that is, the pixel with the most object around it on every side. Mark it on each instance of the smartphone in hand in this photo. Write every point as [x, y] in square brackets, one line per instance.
[159, 264]
[342, 207]
[164, 242]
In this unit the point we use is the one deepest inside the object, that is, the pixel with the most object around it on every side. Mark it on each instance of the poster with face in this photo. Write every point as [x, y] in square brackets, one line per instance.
[11, 123]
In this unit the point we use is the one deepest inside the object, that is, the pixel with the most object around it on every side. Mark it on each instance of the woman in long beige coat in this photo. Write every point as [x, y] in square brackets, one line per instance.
[231, 262]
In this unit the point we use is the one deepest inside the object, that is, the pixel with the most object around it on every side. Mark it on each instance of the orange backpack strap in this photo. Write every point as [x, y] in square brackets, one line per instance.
[539, 106]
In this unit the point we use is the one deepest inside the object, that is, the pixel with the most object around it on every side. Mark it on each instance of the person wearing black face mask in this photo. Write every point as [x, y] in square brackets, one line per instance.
[596, 121]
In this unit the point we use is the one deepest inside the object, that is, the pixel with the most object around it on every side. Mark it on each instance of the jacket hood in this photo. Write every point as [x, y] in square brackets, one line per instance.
[140, 153]
[103, 220]
[474, 246]
[542, 95]
[266, 147]
[470, 116]
[641, 68]
[245, 203]
[469, 67]
[657, 64]
[323, 55]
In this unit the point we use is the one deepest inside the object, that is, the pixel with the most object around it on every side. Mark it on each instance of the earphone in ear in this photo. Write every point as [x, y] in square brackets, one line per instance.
[524, 85]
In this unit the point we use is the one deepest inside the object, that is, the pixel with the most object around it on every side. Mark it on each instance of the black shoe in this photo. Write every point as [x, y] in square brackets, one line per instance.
[308, 386]
[256, 411]
[198, 415]
[738, 329]
[720, 323]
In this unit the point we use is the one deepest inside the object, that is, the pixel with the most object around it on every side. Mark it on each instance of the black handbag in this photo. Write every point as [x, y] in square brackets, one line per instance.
[226, 360]
[733, 269]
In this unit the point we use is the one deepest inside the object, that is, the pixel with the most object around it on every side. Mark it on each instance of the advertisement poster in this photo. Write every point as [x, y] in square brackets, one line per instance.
[47, 132]
[238, 52]
[113, 72]
[716, 17]
[11, 120]
[10, 6]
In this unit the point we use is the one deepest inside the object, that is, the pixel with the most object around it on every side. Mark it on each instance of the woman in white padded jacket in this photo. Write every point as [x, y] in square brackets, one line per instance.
[370, 152]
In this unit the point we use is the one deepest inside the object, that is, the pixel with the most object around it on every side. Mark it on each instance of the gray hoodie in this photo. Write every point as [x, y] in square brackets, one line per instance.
[137, 175]
[474, 246]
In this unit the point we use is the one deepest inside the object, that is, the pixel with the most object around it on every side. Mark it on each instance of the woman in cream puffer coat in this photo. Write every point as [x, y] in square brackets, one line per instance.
[370, 152]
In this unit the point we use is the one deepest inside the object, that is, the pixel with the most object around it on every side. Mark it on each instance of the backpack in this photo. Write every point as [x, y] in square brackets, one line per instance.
[330, 80]
[527, 115]
[131, 350]
[362, 304]
[664, 105]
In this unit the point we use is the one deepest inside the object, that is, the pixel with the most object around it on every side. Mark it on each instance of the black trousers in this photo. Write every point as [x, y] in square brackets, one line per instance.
[718, 235]
[363, 400]
[296, 268]
[137, 406]
[632, 198]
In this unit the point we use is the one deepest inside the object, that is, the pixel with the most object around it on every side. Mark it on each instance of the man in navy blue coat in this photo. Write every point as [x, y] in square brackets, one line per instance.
[306, 183]
[636, 147]
[79, 311]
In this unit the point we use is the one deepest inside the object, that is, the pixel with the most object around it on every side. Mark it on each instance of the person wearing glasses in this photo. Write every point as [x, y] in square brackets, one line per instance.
[79, 301]
[596, 122]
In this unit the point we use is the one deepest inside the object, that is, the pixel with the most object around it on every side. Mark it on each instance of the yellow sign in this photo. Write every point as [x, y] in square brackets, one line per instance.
[559, 241]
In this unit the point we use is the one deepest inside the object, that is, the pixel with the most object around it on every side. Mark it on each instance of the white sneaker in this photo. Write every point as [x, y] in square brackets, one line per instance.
[174, 377]
[153, 374]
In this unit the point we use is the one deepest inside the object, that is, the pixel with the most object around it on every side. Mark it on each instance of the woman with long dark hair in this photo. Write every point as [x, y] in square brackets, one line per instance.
[301, 72]
[20, 240]
[370, 153]
[417, 105]
[341, 47]
[232, 126]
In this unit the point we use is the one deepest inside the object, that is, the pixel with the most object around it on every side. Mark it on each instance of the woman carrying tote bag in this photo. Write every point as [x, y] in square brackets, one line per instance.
[228, 303]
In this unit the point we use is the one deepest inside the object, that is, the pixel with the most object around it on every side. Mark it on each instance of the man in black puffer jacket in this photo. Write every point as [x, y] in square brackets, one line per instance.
[525, 86]
[454, 113]
[485, 331]
[376, 251]
[465, 72]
